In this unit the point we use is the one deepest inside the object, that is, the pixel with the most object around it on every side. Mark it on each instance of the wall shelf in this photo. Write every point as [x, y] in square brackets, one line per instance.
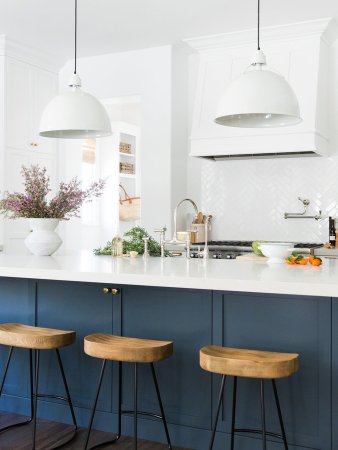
[128, 155]
[127, 175]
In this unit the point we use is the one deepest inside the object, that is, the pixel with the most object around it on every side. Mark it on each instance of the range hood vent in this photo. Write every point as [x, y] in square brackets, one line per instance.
[260, 156]
[304, 54]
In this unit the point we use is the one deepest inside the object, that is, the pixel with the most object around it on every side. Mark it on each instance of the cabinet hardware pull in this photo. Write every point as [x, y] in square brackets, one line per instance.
[33, 144]
[113, 291]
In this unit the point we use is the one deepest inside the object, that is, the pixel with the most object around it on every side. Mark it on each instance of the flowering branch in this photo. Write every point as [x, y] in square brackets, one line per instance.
[34, 204]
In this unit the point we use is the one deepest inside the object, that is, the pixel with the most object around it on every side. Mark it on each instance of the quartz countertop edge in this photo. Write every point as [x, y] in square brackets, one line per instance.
[218, 275]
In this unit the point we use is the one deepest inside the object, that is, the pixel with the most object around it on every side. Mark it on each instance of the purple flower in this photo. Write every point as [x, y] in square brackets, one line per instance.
[34, 204]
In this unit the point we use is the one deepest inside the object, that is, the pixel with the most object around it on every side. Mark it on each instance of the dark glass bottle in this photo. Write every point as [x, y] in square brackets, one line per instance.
[332, 232]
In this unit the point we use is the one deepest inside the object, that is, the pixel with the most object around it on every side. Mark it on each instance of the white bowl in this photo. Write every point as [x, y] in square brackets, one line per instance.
[276, 251]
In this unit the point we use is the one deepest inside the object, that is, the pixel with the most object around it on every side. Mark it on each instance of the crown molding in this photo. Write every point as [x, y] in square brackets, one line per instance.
[21, 52]
[326, 28]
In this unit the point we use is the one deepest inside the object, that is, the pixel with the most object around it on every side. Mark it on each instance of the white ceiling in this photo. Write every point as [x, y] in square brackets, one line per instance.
[118, 25]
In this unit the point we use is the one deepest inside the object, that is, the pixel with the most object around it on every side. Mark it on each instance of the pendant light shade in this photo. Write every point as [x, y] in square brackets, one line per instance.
[75, 114]
[259, 98]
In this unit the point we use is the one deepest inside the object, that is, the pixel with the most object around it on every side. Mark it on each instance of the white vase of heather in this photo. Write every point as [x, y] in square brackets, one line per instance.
[43, 240]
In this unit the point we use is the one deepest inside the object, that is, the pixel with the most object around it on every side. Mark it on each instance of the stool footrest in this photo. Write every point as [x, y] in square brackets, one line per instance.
[252, 430]
[104, 444]
[142, 413]
[17, 424]
[56, 397]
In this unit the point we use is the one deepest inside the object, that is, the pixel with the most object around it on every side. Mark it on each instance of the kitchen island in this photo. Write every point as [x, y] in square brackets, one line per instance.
[194, 303]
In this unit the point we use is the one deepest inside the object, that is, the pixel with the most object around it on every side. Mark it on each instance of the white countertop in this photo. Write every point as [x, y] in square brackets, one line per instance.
[225, 275]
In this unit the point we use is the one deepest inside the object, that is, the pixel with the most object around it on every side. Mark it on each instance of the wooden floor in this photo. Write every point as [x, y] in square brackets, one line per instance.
[19, 438]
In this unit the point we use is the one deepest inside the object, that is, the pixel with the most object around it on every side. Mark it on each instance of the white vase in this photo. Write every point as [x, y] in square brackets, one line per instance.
[43, 240]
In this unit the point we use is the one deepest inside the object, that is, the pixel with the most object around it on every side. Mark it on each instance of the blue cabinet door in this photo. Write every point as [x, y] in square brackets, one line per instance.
[285, 324]
[17, 304]
[334, 373]
[84, 308]
[185, 317]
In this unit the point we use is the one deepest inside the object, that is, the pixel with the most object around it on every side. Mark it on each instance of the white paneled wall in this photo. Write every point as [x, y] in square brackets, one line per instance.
[248, 198]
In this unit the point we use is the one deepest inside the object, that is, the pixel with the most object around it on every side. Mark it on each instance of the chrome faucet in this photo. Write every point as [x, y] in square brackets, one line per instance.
[207, 225]
[175, 240]
[161, 232]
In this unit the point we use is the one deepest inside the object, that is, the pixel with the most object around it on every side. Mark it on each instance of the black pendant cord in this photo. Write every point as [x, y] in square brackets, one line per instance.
[258, 24]
[75, 37]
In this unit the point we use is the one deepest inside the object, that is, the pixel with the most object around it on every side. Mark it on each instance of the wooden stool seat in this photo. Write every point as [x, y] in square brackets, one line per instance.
[248, 363]
[37, 338]
[126, 349]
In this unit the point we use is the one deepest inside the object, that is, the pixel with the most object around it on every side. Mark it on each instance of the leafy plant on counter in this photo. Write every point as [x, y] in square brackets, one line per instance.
[133, 241]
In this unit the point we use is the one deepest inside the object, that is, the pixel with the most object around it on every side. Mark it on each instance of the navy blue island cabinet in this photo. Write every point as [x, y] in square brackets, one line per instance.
[191, 318]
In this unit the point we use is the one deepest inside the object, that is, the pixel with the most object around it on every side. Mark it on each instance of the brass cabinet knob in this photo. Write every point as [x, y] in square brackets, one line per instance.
[112, 291]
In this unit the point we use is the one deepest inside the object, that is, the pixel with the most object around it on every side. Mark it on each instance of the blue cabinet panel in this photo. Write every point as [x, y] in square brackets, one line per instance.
[84, 308]
[183, 316]
[334, 373]
[17, 304]
[287, 324]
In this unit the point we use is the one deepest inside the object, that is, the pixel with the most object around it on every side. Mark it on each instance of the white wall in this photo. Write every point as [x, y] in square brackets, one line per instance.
[149, 74]
[248, 198]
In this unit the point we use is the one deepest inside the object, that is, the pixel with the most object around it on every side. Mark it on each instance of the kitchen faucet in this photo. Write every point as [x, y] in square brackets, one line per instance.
[175, 240]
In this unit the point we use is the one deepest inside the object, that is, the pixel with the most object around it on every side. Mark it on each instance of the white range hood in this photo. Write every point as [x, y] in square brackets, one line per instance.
[306, 54]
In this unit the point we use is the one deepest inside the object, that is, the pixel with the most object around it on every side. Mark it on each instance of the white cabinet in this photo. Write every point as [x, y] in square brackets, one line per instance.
[28, 90]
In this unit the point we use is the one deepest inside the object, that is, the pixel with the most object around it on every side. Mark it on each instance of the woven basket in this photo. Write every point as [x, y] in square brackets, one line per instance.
[127, 168]
[125, 148]
[130, 207]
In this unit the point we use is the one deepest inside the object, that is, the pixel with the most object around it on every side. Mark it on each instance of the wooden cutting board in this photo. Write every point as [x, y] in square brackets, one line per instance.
[252, 257]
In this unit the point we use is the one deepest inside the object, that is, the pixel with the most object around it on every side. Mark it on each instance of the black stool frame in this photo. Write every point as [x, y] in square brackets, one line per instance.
[34, 395]
[263, 431]
[135, 411]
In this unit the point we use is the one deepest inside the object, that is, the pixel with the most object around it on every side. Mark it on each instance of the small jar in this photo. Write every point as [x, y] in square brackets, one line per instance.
[117, 247]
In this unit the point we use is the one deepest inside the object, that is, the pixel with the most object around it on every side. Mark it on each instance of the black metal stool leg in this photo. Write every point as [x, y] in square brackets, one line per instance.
[25, 422]
[119, 423]
[69, 401]
[263, 415]
[280, 414]
[66, 387]
[160, 404]
[119, 399]
[135, 405]
[95, 403]
[234, 397]
[36, 390]
[6, 370]
[220, 398]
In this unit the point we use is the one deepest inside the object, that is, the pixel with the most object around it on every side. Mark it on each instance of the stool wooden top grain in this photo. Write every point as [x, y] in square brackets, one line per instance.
[120, 348]
[248, 363]
[37, 338]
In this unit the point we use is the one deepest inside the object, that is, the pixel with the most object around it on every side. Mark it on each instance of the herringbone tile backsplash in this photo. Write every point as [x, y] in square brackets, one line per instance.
[248, 198]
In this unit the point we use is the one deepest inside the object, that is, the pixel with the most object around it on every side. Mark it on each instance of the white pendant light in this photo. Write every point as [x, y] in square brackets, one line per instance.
[75, 114]
[259, 98]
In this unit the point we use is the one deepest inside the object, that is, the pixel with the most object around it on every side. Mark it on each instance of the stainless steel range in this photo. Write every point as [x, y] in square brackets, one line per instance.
[232, 249]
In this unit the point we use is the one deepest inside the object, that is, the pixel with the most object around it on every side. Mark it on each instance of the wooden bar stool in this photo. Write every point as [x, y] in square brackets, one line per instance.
[248, 364]
[132, 350]
[36, 339]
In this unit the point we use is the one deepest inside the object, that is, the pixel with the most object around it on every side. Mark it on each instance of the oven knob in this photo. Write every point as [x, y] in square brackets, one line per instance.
[217, 255]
